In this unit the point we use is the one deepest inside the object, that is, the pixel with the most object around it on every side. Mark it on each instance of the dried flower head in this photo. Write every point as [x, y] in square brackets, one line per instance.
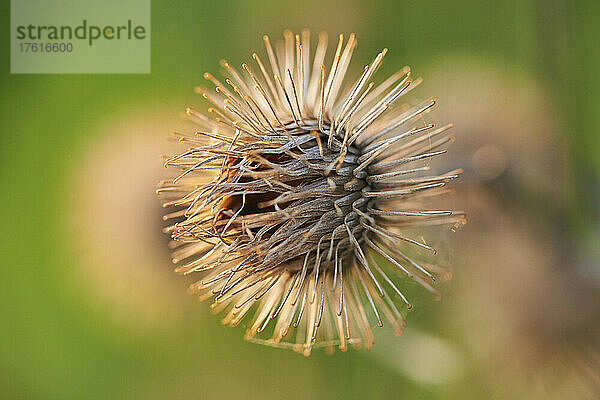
[295, 195]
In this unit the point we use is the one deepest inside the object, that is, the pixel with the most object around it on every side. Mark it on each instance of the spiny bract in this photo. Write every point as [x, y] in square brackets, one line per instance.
[295, 196]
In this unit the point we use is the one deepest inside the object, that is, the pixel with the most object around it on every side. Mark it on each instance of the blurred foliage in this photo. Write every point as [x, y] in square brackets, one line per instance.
[58, 343]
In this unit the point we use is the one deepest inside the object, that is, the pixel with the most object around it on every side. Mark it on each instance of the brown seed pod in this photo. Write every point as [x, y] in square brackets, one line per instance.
[298, 187]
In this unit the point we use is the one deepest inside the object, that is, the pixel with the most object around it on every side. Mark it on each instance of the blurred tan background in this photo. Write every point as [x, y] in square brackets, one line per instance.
[92, 310]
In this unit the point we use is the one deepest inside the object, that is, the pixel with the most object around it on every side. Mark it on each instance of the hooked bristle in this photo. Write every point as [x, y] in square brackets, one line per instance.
[294, 198]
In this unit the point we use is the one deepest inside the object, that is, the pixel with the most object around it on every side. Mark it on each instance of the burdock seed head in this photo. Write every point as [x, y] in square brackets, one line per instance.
[295, 194]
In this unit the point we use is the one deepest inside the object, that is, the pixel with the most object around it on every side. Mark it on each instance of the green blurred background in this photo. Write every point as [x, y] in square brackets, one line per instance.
[91, 309]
